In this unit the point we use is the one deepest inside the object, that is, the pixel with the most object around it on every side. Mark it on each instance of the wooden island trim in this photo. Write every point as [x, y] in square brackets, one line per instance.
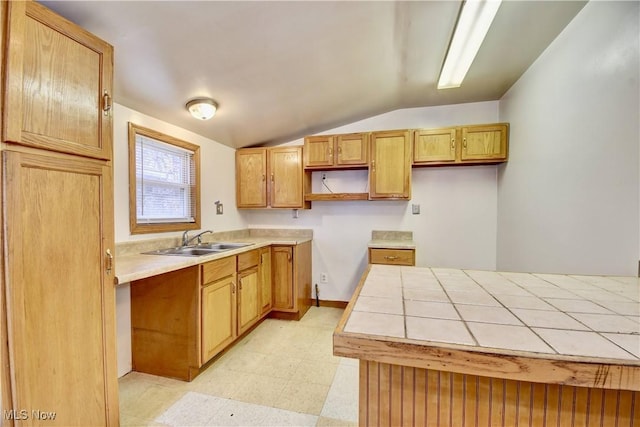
[419, 383]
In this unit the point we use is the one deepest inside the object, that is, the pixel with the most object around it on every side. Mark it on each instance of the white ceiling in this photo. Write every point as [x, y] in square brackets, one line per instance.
[284, 69]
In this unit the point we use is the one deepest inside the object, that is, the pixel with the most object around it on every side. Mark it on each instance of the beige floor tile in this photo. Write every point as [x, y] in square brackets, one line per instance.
[283, 364]
[302, 397]
[126, 421]
[220, 382]
[278, 366]
[315, 372]
[150, 403]
[332, 422]
[259, 389]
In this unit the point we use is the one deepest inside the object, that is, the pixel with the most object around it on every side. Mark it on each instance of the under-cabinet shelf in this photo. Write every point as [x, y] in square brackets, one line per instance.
[314, 197]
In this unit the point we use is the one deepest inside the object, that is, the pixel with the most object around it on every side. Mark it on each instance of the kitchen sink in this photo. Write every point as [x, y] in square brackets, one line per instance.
[198, 250]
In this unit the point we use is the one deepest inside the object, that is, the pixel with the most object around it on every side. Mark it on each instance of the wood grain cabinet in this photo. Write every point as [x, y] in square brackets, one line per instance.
[271, 177]
[484, 143]
[336, 151]
[390, 167]
[477, 144]
[249, 290]
[434, 146]
[264, 271]
[291, 272]
[219, 306]
[57, 334]
[392, 256]
[58, 84]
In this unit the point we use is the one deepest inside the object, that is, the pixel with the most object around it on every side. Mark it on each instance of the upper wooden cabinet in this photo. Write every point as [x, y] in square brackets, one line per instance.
[271, 177]
[461, 145]
[251, 178]
[336, 151]
[58, 84]
[486, 143]
[390, 168]
[434, 145]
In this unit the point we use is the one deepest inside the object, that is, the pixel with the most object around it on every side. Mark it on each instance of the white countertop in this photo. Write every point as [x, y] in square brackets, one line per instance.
[543, 315]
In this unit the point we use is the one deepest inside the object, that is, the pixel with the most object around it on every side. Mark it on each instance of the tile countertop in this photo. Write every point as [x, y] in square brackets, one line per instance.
[391, 240]
[131, 264]
[557, 318]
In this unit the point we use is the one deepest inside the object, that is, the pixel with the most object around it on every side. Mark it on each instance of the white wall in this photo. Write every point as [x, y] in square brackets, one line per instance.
[456, 226]
[568, 199]
[217, 175]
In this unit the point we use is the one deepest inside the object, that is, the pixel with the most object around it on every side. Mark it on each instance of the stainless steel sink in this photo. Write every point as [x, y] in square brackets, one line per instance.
[198, 250]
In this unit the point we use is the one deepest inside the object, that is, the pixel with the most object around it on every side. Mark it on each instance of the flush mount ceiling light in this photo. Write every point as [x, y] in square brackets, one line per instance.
[472, 26]
[202, 108]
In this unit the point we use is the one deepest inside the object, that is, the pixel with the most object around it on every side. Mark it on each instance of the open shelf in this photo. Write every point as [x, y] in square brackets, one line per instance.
[314, 197]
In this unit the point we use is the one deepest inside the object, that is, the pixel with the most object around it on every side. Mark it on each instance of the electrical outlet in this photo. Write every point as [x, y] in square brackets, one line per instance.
[324, 176]
[323, 278]
[219, 209]
[415, 209]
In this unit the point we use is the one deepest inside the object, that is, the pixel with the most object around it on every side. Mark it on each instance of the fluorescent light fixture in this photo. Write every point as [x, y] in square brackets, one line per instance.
[202, 108]
[471, 28]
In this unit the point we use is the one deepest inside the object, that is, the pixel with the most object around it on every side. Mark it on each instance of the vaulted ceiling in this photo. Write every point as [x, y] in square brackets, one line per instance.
[284, 69]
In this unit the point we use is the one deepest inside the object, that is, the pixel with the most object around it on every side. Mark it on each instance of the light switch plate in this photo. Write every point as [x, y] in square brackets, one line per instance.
[415, 209]
[219, 209]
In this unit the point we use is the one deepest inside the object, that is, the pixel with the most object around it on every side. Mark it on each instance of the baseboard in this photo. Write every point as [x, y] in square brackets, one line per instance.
[334, 304]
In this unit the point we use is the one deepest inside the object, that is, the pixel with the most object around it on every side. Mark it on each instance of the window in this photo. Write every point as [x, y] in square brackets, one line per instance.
[164, 182]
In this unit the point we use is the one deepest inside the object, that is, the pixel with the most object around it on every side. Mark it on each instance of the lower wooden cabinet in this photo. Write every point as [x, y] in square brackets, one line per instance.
[248, 299]
[165, 337]
[291, 272]
[182, 319]
[392, 256]
[266, 284]
[219, 316]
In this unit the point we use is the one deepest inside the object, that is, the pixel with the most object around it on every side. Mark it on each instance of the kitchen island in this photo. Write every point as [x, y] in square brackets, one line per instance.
[446, 347]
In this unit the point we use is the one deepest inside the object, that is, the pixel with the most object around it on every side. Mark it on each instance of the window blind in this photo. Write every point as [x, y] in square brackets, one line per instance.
[165, 182]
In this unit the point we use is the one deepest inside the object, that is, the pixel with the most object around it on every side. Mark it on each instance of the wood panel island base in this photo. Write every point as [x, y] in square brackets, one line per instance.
[444, 347]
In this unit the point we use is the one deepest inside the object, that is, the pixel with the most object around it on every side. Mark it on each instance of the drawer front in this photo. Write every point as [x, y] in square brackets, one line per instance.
[218, 269]
[392, 256]
[248, 259]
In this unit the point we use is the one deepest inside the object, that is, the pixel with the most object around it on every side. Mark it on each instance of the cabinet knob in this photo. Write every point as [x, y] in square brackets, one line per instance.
[330, 151]
[272, 177]
[373, 165]
[464, 143]
[453, 143]
[391, 257]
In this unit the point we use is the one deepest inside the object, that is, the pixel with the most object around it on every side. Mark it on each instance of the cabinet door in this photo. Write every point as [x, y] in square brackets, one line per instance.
[251, 178]
[318, 151]
[352, 149]
[286, 177]
[60, 287]
[434, 146]
[248, 299]
[487, 143]
[264, 270]
[390, 169]
[282, 265]
[58, 87]
[218, 316]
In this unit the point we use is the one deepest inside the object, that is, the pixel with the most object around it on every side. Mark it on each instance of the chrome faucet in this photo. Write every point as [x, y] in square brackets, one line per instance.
[186, 240]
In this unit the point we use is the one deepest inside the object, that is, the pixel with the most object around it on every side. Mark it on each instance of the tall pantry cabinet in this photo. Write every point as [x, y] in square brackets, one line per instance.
[58, 296]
